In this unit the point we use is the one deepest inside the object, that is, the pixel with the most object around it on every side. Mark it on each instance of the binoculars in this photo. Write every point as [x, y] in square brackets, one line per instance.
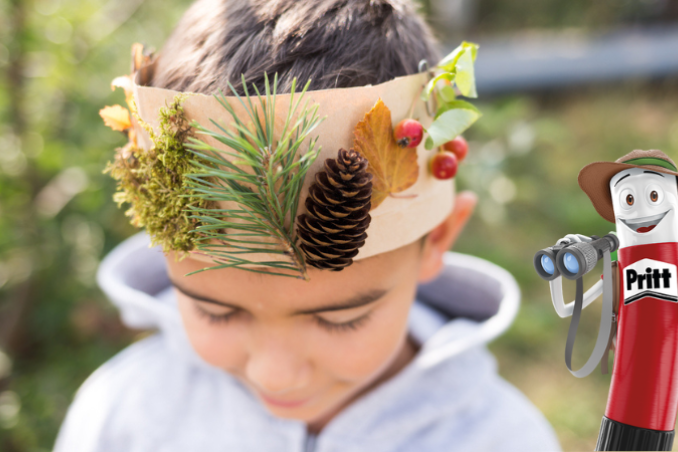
[573, 260]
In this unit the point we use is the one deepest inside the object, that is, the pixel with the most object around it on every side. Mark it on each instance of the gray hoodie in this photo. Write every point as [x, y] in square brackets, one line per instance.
[157, 395]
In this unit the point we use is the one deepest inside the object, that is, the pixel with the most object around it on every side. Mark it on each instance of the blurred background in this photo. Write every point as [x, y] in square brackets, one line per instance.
[562, 83]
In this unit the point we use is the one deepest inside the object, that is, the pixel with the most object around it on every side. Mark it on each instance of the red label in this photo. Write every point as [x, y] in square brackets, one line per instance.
[644, 387]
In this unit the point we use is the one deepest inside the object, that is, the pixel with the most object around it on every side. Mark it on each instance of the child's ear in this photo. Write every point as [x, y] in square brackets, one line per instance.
[442, 238]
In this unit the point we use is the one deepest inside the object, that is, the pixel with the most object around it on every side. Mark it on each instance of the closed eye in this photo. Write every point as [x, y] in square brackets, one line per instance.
[353, 324]
[214, 317]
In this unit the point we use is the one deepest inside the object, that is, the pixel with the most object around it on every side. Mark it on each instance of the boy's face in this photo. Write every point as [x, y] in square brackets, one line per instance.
[299, 345]
[307, 348]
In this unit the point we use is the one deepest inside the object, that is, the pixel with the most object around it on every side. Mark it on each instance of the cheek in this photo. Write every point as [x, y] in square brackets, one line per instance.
[219, 344]
[353, 356]
[670, 199]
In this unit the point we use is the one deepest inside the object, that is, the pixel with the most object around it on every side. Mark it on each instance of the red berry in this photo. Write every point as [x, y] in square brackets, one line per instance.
[408, 133]
[459, 146]
[443, 165]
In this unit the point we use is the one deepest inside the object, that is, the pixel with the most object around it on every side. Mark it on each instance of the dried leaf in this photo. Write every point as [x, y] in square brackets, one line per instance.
[124, 82]
[394, 168]
[140, 57]
[116, 117]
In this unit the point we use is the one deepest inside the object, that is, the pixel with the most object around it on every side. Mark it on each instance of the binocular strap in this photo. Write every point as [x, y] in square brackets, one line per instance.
[606, 318]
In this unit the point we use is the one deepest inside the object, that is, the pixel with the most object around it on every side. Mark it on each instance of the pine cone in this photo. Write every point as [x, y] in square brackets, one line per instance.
[338, 203]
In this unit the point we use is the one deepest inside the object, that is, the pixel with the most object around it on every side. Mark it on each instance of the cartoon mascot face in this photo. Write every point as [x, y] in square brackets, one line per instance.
[645, 204]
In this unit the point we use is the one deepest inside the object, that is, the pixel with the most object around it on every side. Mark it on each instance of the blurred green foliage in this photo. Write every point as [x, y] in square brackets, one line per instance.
[519, 15]
[57, 219]
[525, 155]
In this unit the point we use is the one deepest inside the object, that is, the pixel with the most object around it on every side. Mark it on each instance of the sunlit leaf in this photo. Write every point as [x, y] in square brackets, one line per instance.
[465, 79]
[116, 117]
[446, 106]
[449, 62]
[124, 82]
[447, 93]
[449, 76]
[449, 125]
[457, 68]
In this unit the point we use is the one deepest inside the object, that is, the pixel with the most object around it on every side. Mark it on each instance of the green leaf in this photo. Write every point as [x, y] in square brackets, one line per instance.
[449, 62]
[457, 68]
[456, 104]
[452, 116]
[432, 84]
[449, 125]
[447, 94]
[465, 80]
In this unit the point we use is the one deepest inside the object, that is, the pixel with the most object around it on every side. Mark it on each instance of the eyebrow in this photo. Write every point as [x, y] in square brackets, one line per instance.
[615, 184]
[356, 301]
[654, 172]
[648, 172]
[361, 299]
[195, 296]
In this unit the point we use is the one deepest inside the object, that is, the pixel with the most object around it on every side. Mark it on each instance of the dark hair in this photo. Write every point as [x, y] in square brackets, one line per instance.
[335, 43]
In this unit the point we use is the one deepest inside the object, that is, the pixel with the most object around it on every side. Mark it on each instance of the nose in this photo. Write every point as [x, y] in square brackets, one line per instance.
[277, 368]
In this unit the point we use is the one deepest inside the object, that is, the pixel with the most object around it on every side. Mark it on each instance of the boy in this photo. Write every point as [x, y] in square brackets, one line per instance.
[343, 361]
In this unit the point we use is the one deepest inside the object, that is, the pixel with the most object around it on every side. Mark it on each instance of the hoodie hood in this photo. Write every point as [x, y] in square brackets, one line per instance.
[471, 302]
[159, 395]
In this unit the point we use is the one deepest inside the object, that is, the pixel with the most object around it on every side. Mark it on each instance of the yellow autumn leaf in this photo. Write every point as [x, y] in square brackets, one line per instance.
[116, 117]
[394, 168]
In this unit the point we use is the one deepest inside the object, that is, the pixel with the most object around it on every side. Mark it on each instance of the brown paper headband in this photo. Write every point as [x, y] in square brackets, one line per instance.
[401, 218]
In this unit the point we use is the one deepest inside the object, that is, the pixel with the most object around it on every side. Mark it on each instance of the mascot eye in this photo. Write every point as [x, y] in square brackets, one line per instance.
[655, 193]
[627, 199]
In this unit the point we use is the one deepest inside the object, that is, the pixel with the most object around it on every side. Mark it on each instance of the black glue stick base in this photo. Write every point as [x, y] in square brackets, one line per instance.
[617, 436]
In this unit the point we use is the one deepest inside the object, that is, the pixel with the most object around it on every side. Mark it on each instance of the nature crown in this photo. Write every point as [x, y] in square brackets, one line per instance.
[275, 183]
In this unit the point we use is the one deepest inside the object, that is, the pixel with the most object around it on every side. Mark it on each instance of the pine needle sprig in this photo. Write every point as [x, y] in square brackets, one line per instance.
[262, 175]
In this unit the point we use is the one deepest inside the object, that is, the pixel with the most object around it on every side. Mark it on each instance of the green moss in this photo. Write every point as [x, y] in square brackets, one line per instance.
[153, 184]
